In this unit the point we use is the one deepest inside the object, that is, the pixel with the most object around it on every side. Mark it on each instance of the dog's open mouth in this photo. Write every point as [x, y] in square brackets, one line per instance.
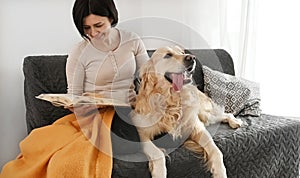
[180, 79]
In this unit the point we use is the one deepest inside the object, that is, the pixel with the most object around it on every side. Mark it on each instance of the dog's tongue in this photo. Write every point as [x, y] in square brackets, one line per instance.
[177, 80]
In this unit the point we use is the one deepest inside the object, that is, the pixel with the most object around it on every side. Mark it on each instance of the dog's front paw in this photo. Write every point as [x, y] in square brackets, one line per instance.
[235, 123]
[219, 175]
[219, 172]
[217, 167]
[158, 168]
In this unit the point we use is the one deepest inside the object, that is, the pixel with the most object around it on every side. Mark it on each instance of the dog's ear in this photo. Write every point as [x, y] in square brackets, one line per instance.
[148, 80]
[147, 74]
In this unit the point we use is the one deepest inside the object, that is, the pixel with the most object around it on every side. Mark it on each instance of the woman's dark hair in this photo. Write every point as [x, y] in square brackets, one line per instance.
[83, 8]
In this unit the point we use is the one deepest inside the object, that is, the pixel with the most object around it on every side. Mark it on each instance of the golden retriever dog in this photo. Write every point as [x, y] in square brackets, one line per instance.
[168, 102]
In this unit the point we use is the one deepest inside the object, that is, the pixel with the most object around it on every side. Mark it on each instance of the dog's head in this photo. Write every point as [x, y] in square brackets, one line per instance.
[170, 64]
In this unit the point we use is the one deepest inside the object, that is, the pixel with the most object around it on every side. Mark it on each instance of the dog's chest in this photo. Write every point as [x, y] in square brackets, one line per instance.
[189, 97]
[185, 98]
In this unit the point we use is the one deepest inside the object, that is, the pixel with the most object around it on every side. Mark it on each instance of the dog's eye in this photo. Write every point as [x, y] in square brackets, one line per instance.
[168, 55]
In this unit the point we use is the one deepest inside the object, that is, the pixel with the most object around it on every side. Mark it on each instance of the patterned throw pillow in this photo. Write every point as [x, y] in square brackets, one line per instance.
[237, 95]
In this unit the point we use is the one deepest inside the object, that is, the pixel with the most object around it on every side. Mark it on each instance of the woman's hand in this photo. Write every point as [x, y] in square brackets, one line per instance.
[83, 109]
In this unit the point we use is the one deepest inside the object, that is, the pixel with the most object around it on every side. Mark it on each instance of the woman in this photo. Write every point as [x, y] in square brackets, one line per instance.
[103, 64]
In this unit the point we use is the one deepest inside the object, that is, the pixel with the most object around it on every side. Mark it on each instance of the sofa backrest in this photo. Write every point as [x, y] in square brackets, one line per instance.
[46, 74]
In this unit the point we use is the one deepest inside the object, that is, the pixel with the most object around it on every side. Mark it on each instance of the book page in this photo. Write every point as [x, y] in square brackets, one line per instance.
[69, 100]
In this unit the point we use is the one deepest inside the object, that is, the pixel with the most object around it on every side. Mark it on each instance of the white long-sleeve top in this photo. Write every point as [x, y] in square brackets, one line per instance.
[108, 73]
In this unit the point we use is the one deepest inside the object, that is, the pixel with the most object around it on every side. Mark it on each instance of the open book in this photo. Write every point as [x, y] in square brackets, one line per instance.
[69, 100]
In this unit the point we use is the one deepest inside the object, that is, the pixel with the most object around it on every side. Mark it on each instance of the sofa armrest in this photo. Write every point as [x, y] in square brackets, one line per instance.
[43, 74]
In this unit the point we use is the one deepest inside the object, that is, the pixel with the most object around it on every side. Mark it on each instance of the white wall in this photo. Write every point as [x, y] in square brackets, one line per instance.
[35, 27]
[174, 20]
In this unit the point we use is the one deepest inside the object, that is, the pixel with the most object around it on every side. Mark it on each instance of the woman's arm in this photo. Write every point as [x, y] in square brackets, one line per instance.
[141, 55]
[75, 71]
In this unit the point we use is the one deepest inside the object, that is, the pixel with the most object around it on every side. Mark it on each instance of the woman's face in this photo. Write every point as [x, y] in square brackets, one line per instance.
[95, 24]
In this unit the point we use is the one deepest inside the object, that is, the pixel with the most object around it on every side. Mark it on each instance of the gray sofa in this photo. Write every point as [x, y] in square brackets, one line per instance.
[266, 146]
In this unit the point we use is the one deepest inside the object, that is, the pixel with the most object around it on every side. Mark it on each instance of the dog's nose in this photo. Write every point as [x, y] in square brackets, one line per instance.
[189, 62]
[190, 57]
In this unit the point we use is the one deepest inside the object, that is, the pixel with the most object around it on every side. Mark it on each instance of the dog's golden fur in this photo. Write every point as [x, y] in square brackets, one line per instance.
[167, 104]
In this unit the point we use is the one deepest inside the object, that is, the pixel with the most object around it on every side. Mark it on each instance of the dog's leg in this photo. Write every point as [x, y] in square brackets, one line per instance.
[157, 161]
[214, 156]
[231, 120]
[217, 114]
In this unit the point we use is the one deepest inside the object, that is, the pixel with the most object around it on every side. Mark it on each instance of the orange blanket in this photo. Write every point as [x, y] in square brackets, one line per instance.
[73, 146]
